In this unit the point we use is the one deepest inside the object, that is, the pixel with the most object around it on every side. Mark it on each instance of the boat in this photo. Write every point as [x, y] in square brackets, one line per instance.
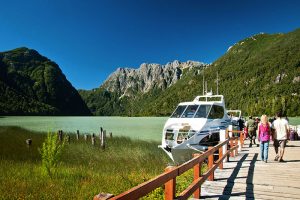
[194, 126]
[235, 116]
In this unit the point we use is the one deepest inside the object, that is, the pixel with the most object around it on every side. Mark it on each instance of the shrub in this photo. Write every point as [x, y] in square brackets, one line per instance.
[51, 153]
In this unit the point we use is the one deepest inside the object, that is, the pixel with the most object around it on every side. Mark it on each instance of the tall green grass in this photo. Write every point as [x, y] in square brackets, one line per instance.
[84, 171]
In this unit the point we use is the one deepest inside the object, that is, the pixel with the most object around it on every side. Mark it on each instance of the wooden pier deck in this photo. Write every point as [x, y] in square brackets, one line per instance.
[247, 177]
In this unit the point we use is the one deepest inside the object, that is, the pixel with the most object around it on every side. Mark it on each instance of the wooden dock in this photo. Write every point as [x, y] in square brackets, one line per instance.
[247, 177]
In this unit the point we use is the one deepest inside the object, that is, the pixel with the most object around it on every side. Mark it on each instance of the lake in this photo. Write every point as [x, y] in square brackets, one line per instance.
[144, 128]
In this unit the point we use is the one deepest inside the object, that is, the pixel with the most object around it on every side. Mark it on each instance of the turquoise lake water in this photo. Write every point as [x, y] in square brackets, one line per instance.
[145, 128]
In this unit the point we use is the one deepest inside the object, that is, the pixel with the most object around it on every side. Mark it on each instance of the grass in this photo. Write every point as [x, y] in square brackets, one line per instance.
[84, 171]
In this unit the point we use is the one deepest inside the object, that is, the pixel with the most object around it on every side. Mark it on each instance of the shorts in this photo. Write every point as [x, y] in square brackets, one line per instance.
[279, 143]
[252, 134]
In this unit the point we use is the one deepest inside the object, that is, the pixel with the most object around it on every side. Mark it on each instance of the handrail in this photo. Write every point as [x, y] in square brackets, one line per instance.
[168, 178]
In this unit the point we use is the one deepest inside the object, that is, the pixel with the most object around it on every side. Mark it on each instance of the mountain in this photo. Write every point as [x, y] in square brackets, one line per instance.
[126, 88]
[259, 74]
[129, 81]
[31, 84]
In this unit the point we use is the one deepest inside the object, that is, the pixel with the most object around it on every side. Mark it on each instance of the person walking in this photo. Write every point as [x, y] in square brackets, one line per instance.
[264, 134]
[251, 126]
[281, 130]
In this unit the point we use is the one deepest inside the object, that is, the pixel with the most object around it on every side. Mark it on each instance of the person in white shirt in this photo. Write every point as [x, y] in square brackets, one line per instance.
[281, 127]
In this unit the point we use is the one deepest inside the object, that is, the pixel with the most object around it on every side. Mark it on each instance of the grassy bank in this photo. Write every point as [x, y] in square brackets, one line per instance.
[84, 171]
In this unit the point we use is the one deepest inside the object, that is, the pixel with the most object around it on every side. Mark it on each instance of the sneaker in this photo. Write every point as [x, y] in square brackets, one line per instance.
[266, 161]
[276, 158]
[281, 160]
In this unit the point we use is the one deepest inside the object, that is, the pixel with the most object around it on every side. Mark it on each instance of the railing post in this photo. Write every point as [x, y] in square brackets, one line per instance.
[230, 130]
[223, 137]
[241, 141]
[236, 144]
[170, 186]
[210, 165]
[227, 134]
[220, 156]
[244, 137]
[231, 145]
[197, 174]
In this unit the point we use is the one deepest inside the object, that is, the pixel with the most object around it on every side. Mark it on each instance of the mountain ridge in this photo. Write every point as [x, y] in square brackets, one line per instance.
[31, 84]
[259, 74]
[128, 81]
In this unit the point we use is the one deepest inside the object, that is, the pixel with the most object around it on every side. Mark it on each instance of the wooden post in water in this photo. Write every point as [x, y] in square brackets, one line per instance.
[93, 139]
[101, 133]
[103, 139]
[77, 135]
[60, 135]
[85, 137]
[110, 135]
[68, 138]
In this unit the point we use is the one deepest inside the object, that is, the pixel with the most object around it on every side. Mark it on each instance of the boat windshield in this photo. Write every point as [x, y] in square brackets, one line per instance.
[190, 111]
[179, 110]
[203, 111]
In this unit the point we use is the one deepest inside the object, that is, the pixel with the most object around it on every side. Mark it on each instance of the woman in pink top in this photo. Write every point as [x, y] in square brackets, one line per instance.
[264, 134]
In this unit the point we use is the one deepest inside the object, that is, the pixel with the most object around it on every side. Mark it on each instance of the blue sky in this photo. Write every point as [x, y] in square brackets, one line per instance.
[89, 39]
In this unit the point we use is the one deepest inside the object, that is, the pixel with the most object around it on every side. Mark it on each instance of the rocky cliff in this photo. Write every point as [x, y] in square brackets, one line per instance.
[129, 81]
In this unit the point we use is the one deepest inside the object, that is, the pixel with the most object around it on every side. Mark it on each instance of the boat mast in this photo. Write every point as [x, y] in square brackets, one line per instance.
[203, 85]
[217, 83]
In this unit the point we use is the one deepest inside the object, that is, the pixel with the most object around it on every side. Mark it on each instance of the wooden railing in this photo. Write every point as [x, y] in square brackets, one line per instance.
[168, 178]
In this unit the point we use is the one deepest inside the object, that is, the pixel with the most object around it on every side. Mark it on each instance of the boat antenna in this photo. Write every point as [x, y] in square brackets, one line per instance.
[217, 83]
[203, 85]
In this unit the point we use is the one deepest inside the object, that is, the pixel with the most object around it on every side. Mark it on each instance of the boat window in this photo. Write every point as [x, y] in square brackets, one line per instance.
[190, 111]
[177, 113]
[203, 111]
[216, 112]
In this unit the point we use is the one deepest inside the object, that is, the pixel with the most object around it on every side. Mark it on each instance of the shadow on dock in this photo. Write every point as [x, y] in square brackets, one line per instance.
[227, 191]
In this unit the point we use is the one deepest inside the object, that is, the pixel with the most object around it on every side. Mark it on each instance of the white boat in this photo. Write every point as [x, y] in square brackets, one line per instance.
[235, 116]
[194, 126]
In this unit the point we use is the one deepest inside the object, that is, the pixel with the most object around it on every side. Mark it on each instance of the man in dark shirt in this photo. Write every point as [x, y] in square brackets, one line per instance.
[251, 126]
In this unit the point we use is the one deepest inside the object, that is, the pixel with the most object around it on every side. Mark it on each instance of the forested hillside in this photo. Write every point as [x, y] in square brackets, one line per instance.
[31, 84]
[260, 74]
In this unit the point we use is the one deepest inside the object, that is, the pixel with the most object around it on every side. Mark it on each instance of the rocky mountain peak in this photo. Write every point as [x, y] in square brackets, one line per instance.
[129, 81]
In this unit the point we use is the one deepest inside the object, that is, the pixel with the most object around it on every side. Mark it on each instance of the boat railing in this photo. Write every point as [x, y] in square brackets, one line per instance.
[226, 148]
[209, 98]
